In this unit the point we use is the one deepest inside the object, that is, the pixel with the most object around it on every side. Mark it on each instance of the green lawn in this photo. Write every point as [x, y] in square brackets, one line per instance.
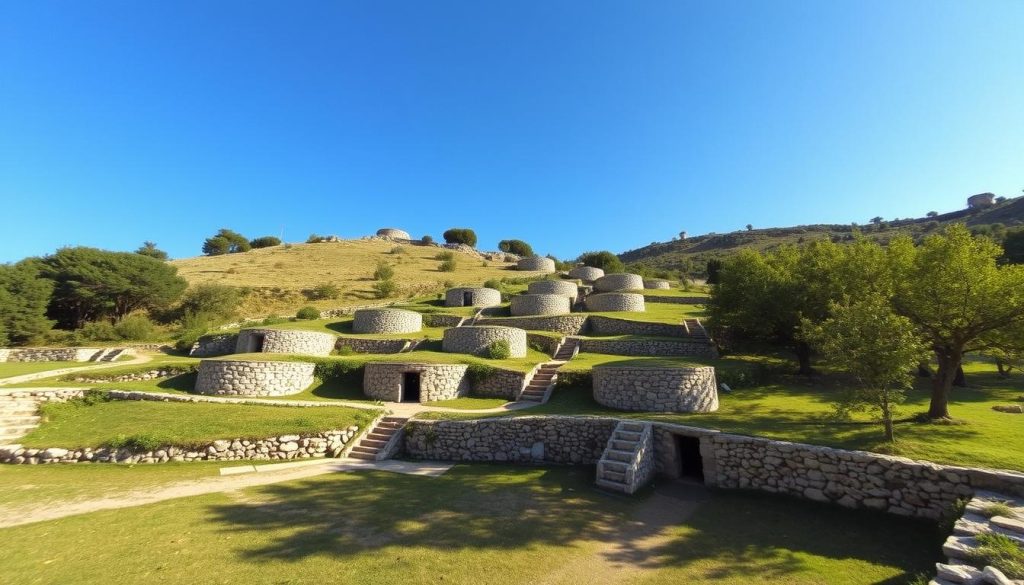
[74, 424]
[659, 313]
[475, 524]
[586, 361]
[342, 327]
[9, 369]
[470, 403]
[674, 292]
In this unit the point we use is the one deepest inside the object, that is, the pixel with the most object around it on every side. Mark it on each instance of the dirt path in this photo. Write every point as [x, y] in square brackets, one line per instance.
[18, 515]
[624, 551]
[92, 366]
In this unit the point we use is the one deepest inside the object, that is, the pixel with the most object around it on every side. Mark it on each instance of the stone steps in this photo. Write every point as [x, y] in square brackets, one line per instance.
[371, 445]
[626, 463]
[959, 547]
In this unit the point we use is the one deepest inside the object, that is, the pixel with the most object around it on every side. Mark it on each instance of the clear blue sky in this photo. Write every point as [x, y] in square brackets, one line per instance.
[572, 125]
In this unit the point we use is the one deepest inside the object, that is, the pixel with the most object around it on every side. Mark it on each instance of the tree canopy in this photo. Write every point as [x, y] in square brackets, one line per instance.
[24, 297]
[517, 247]
[226, 241]
[150, 249]
[460, 236]
[603, 259]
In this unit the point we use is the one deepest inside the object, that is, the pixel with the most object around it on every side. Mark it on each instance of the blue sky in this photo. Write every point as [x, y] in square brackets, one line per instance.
[572, 125]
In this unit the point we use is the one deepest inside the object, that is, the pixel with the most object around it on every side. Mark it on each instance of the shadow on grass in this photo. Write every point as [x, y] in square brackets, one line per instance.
[181, 382]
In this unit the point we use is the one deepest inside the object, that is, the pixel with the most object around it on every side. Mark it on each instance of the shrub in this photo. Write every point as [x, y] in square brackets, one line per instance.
[460, 236]
[383, 289]
[604, 260]
[98, 331]
[135, 328]
[384, 271]
[445, 255]
[447, 266]
[274, 320]
[575, 380]
[315, 239]
[427, 240]
[480, 373]
[499, 350]
[308, 313]
[517, 247]
[493, 283]
[140, 442]
[265, 242]
[216, 302]
[150, 249]
[345, 371]
[398, 250]
[324, 290]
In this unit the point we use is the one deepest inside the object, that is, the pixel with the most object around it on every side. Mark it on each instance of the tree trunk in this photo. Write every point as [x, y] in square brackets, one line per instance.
[960, 381]
[1004, 371]
[803, 356]
[950, 359]
[890, 434]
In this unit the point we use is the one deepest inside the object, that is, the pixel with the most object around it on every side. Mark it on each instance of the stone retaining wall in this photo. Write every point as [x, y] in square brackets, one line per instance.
[479, 297]
[615, 301]
[383, 381]
[139, 376]
[214, 345]
[438, 320]
[619, 282]
[600, 325]
[586, 273]
[539, 304]
[253, 378]
[386, 321]
[50, 354]
[360, 345]
[477, 340]
[564, 324]
[649, 347]
[545, 343]
[294, 341]
[656, 389]
[554, 287]
[283, 448]
[536, 263]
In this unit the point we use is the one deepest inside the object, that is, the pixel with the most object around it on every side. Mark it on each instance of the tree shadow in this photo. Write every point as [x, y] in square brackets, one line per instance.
[180, 382]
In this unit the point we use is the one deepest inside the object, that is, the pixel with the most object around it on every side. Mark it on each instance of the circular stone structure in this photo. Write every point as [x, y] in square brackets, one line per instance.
[619, 281]
[384, 321]
[394, 233]
[603, 302]
[285, 341]
[477, 340]
[657, 283]
[554, 287]
[683, 389]
[253, 378]
[411, 382]
[536, 263]
[586, 273]
[539, 304]
[472, 297]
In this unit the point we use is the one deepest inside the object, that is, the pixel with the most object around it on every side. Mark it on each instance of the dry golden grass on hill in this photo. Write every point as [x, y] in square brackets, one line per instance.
[278, 276]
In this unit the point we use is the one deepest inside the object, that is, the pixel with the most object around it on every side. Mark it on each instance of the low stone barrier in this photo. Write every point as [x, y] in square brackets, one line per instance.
[649, 347]
[439, 320]
[387, 321]
[615, 301]
[360, 345]
[253, 378]
[564, 324]
[539, 304]
[600, 325]
[139, 376]
[692, 389]
[477, 340]
[214, 345]
[619, 282]
[50, 354]
[657, 283]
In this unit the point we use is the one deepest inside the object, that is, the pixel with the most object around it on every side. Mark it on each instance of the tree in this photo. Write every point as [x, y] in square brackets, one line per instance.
[878, 347]
[952, 289]
[460, 236]
[210, 302]
[24, 297]
[713, 268]
[226, 241]
[150, 249]
[216, 246]
[92, 284]
[1013, 247]
[265, 242]
[603, 259]
[933, 214]
[877, 220]
[750, 227]
[517, 247]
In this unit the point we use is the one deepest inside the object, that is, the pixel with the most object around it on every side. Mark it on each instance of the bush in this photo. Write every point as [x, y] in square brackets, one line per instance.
[493, 283]
[398, 250]
[345, 371]
[324, 290]
[384, 271]
[217, 302]
[427, 240]
[308, 313]
[499, 350]
[315, 239]
[480, 373]
[383, 289]
[445, 255]
[517, 247]
[135, 328]
[265, 242]
[460, 236]
[141, 442]
[98, 331]
[575, 380]
[604, 260]
[447, 266]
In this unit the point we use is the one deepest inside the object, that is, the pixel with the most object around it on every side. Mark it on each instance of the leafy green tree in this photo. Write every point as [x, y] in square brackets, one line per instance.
[1013, 247]
[713, 269]
[878, 347]
[265, 242]
[226, 241]
[952, 289]
[460, 236]
[150, 249]
[92, 284]
[213, 303]
[216, 246]
[24, 297]
[517, 247]
[604, 260]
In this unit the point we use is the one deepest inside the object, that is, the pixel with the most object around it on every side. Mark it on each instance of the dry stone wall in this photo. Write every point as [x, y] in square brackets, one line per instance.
[564, 324]
[539, 304]
[387, 321]
[360, 345]
[477, 297]
[439, 320]
[586, 273]
[601, 325]
[394, 233]
[384, 381]
[536, 263]
[656, 389]
[649, 347]
[253, 378]
[49, 354]
[656, 283]
[214, 345]
[554, 287]
[292, 341]
[615, 302]
[477, 340]
[619, 282]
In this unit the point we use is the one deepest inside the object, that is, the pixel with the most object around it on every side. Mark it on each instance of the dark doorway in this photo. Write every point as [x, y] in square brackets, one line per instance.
[467, 299]
[257, 342]
[411, 387]
[691, 465]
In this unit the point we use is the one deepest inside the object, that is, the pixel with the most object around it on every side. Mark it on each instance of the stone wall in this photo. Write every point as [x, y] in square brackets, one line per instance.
[657, 283]
[477, 340]
[386, 321]
[394, 233]
[538, 304]
[649, 347]
[440, 320]
[600, 325]
[138, 376]
[283, 448]
[294, 341]
[615, 301]
[500, 383]
[536, 263]
[586, 273]
[384, 381]
[214, 345]
[618, 282]
[253, 378]
[554, 287]
[479, 297]
[656, 389]
[360, 345]
[50, 354]
[545, 343]
[564, 324]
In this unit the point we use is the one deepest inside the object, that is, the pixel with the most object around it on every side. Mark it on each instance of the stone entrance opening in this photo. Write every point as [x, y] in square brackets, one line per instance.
[257, 342]
[467, 299]
[411, 387]
[691, 464]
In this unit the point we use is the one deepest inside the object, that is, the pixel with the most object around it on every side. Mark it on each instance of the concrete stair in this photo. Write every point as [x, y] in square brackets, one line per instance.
[18, 416]
[373, 446]
[620, 460]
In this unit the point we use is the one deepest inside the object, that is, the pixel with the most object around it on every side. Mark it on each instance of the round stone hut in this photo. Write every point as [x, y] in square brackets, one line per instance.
[657, 283]
[539, 304]
[477, 340]
[683, 389]
[401, 382]
[285, 341]
[385, 321]
[602, 302]
[619, 281]
[554, 287]
[472, 297]
[252, 378]
[394, 233]
[536, 263]
[587, 274]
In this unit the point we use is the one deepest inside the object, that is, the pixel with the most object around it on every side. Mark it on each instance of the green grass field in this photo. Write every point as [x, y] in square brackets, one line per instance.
[475, 524]
[10, 369]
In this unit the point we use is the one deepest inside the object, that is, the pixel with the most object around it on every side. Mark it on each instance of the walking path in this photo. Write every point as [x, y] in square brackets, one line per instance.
[92, 366]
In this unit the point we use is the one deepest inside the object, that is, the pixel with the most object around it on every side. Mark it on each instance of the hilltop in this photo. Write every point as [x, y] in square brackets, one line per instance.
[692, 253]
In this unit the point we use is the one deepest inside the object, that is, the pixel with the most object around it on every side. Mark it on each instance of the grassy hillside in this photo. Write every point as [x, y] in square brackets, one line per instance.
[278, 277]
[695, 251]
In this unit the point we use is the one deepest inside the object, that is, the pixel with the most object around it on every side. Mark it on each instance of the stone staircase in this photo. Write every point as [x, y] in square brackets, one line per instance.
[412, 346]
[567, 349]
[627, 463]
[381, 441]
[696, 329]
[18, 416]
[978, 518]
[538, 389]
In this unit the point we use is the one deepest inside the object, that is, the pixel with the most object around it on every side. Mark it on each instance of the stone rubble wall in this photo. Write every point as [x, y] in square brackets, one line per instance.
[347, 311]
[139, 376]
[600, 325]
[656, 284]
[360, 345]
[614, 301]
[214, 345]
[554, 287]
[283, 448]
[539, 304]
[387, 321]
[50, 354]
[437, 320]
[619, 282]
[586, 273]
[294, 341]
[481, 297]
[253, 378]
[649, 347]
[477, 340]
[383, 381]
[656, 389]
[564, 324]
[501, 383]
[536, 263]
